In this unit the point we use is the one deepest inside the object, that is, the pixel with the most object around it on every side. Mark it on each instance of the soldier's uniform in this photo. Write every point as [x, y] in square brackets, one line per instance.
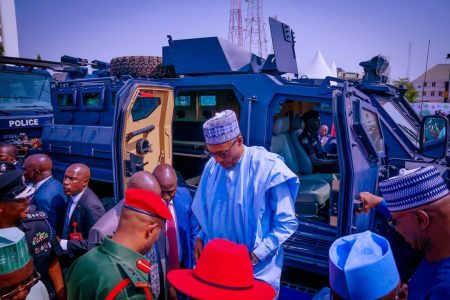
[42, 243]
[119, 273]
[111, 270]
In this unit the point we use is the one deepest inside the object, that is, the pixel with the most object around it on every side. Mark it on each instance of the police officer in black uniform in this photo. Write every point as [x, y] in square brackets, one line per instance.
[15, 198]
[309, 140]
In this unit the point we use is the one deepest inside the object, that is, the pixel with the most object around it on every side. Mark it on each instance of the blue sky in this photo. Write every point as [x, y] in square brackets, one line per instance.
[346, 31]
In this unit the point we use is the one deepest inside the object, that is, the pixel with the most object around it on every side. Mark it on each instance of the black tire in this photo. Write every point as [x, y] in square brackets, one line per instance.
[136, 66]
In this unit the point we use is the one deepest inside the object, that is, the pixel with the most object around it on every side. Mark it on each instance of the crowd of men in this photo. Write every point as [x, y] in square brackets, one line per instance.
[57, 241]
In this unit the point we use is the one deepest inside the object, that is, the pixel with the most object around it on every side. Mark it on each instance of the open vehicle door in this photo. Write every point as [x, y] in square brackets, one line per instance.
[142, 133]
[361, 149]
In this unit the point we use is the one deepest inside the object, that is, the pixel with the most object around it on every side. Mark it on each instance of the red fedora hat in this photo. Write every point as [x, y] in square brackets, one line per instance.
[223, 271]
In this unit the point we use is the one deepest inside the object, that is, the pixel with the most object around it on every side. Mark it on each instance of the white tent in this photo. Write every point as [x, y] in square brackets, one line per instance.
[318, 68]
[334, 69]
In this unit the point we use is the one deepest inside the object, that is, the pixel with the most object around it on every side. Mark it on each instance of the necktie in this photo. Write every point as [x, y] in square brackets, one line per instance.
[171, 233]
[154, 271]
[65, 234]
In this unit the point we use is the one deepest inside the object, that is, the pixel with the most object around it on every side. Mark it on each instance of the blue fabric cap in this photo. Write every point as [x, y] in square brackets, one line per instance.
[221, 128]
[413, 188]
[362, 266]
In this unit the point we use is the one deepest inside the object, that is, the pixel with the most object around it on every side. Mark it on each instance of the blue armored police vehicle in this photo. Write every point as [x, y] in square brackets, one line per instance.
[120, 125]
[25, 98]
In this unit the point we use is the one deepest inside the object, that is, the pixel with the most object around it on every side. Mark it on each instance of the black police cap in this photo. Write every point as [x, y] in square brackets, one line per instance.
[12, 185]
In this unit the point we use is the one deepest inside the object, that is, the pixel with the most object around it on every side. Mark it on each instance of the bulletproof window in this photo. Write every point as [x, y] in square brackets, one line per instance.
[208, 100]
[425, 84]
[92, 100]
[433, 84]
[370, 121]
[183, 100]
[65, 100]
[144, 105]
[440, 93]
[432, 94]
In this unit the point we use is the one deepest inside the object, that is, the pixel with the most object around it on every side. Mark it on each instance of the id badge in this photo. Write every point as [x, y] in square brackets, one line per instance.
[76, 236]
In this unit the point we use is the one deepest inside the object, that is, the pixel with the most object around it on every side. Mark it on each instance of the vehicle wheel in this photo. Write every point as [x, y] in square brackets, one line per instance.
[135, 66]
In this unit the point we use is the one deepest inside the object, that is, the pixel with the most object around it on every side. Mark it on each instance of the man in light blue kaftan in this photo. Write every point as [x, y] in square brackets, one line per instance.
[246, 195]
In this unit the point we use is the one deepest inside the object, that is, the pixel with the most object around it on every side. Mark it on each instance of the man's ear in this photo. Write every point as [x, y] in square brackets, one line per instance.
[37, 172]
[151, 228]
[423, 219]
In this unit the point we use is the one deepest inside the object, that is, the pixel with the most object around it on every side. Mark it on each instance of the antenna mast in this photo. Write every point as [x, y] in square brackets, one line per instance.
[235, 28]
[255, 33]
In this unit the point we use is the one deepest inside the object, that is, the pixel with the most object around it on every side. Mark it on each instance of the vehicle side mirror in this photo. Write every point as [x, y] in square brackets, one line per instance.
[433, 136]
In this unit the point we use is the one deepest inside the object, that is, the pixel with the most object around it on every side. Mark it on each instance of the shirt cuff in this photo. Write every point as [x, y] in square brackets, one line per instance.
[261, 251]
[202, 235]
[382, 208]
[63, 244]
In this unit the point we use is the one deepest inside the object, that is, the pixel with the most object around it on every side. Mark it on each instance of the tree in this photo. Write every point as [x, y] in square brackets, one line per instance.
[411, 93]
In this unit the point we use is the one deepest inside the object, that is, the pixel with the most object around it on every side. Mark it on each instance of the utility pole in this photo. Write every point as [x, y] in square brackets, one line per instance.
[235, 28]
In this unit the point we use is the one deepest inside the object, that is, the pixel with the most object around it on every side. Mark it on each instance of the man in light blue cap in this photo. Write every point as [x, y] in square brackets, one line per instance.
[362, 267]
[246, 195]
[417, 203]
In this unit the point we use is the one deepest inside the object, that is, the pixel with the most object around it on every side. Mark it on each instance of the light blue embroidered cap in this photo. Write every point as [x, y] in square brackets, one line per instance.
[413, 188]
[221, 128]
[362, 267]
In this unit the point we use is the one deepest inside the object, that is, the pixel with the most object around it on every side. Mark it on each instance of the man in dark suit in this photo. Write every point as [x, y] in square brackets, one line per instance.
[49, 196]
[184, 228]
[83, 210]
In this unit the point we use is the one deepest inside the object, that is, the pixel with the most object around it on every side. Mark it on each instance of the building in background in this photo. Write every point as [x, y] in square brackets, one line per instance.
[433, 88]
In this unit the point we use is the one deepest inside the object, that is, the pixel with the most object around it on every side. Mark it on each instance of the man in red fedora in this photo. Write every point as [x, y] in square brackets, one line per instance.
[223, 271]
[118, 268]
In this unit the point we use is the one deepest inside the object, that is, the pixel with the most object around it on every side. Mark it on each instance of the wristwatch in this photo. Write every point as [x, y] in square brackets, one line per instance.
[254, 258]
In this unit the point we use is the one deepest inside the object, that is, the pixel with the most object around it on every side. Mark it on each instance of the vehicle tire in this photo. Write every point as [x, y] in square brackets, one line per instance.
[135, 66]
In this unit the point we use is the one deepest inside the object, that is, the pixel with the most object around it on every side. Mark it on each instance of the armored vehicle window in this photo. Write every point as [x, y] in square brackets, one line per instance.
[403, 119]
[144, 106]
[24, 90]
[65, 100]
[208, 100]
[183, 101]
[92, 100]
[373, 129]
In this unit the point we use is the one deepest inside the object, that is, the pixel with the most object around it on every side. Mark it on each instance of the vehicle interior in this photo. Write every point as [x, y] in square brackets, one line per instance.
[192, 109]
[318, 194]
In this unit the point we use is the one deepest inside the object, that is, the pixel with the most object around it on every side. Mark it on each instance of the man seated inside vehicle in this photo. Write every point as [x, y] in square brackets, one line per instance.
[312, 146]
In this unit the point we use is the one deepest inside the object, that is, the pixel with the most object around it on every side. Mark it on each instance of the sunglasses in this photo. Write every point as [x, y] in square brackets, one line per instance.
[222, 154]
[26, 286]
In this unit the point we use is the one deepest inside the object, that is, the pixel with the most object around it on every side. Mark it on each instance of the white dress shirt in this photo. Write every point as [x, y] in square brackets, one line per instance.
[75, 200]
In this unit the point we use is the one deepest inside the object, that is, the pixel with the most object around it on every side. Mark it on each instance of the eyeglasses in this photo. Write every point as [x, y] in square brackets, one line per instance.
[26, 286]
[221, 155]
[393, 222]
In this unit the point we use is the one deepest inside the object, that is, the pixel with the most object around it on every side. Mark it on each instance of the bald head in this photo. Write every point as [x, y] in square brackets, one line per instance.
[76, 179]
[37, 167]
[167, 179]
[144, 180]
[8, 152]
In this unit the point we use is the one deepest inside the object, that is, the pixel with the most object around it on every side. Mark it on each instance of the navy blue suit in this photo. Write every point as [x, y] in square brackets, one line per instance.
[187, 226]
[50, 199]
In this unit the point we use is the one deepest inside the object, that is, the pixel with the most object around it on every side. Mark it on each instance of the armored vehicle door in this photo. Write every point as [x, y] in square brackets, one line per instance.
[142, 131]
[361, 149]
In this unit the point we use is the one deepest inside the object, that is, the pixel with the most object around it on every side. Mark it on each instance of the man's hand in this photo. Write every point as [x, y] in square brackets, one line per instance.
[402, 292]
[172, 293]
[198, 248]
[369, 201]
